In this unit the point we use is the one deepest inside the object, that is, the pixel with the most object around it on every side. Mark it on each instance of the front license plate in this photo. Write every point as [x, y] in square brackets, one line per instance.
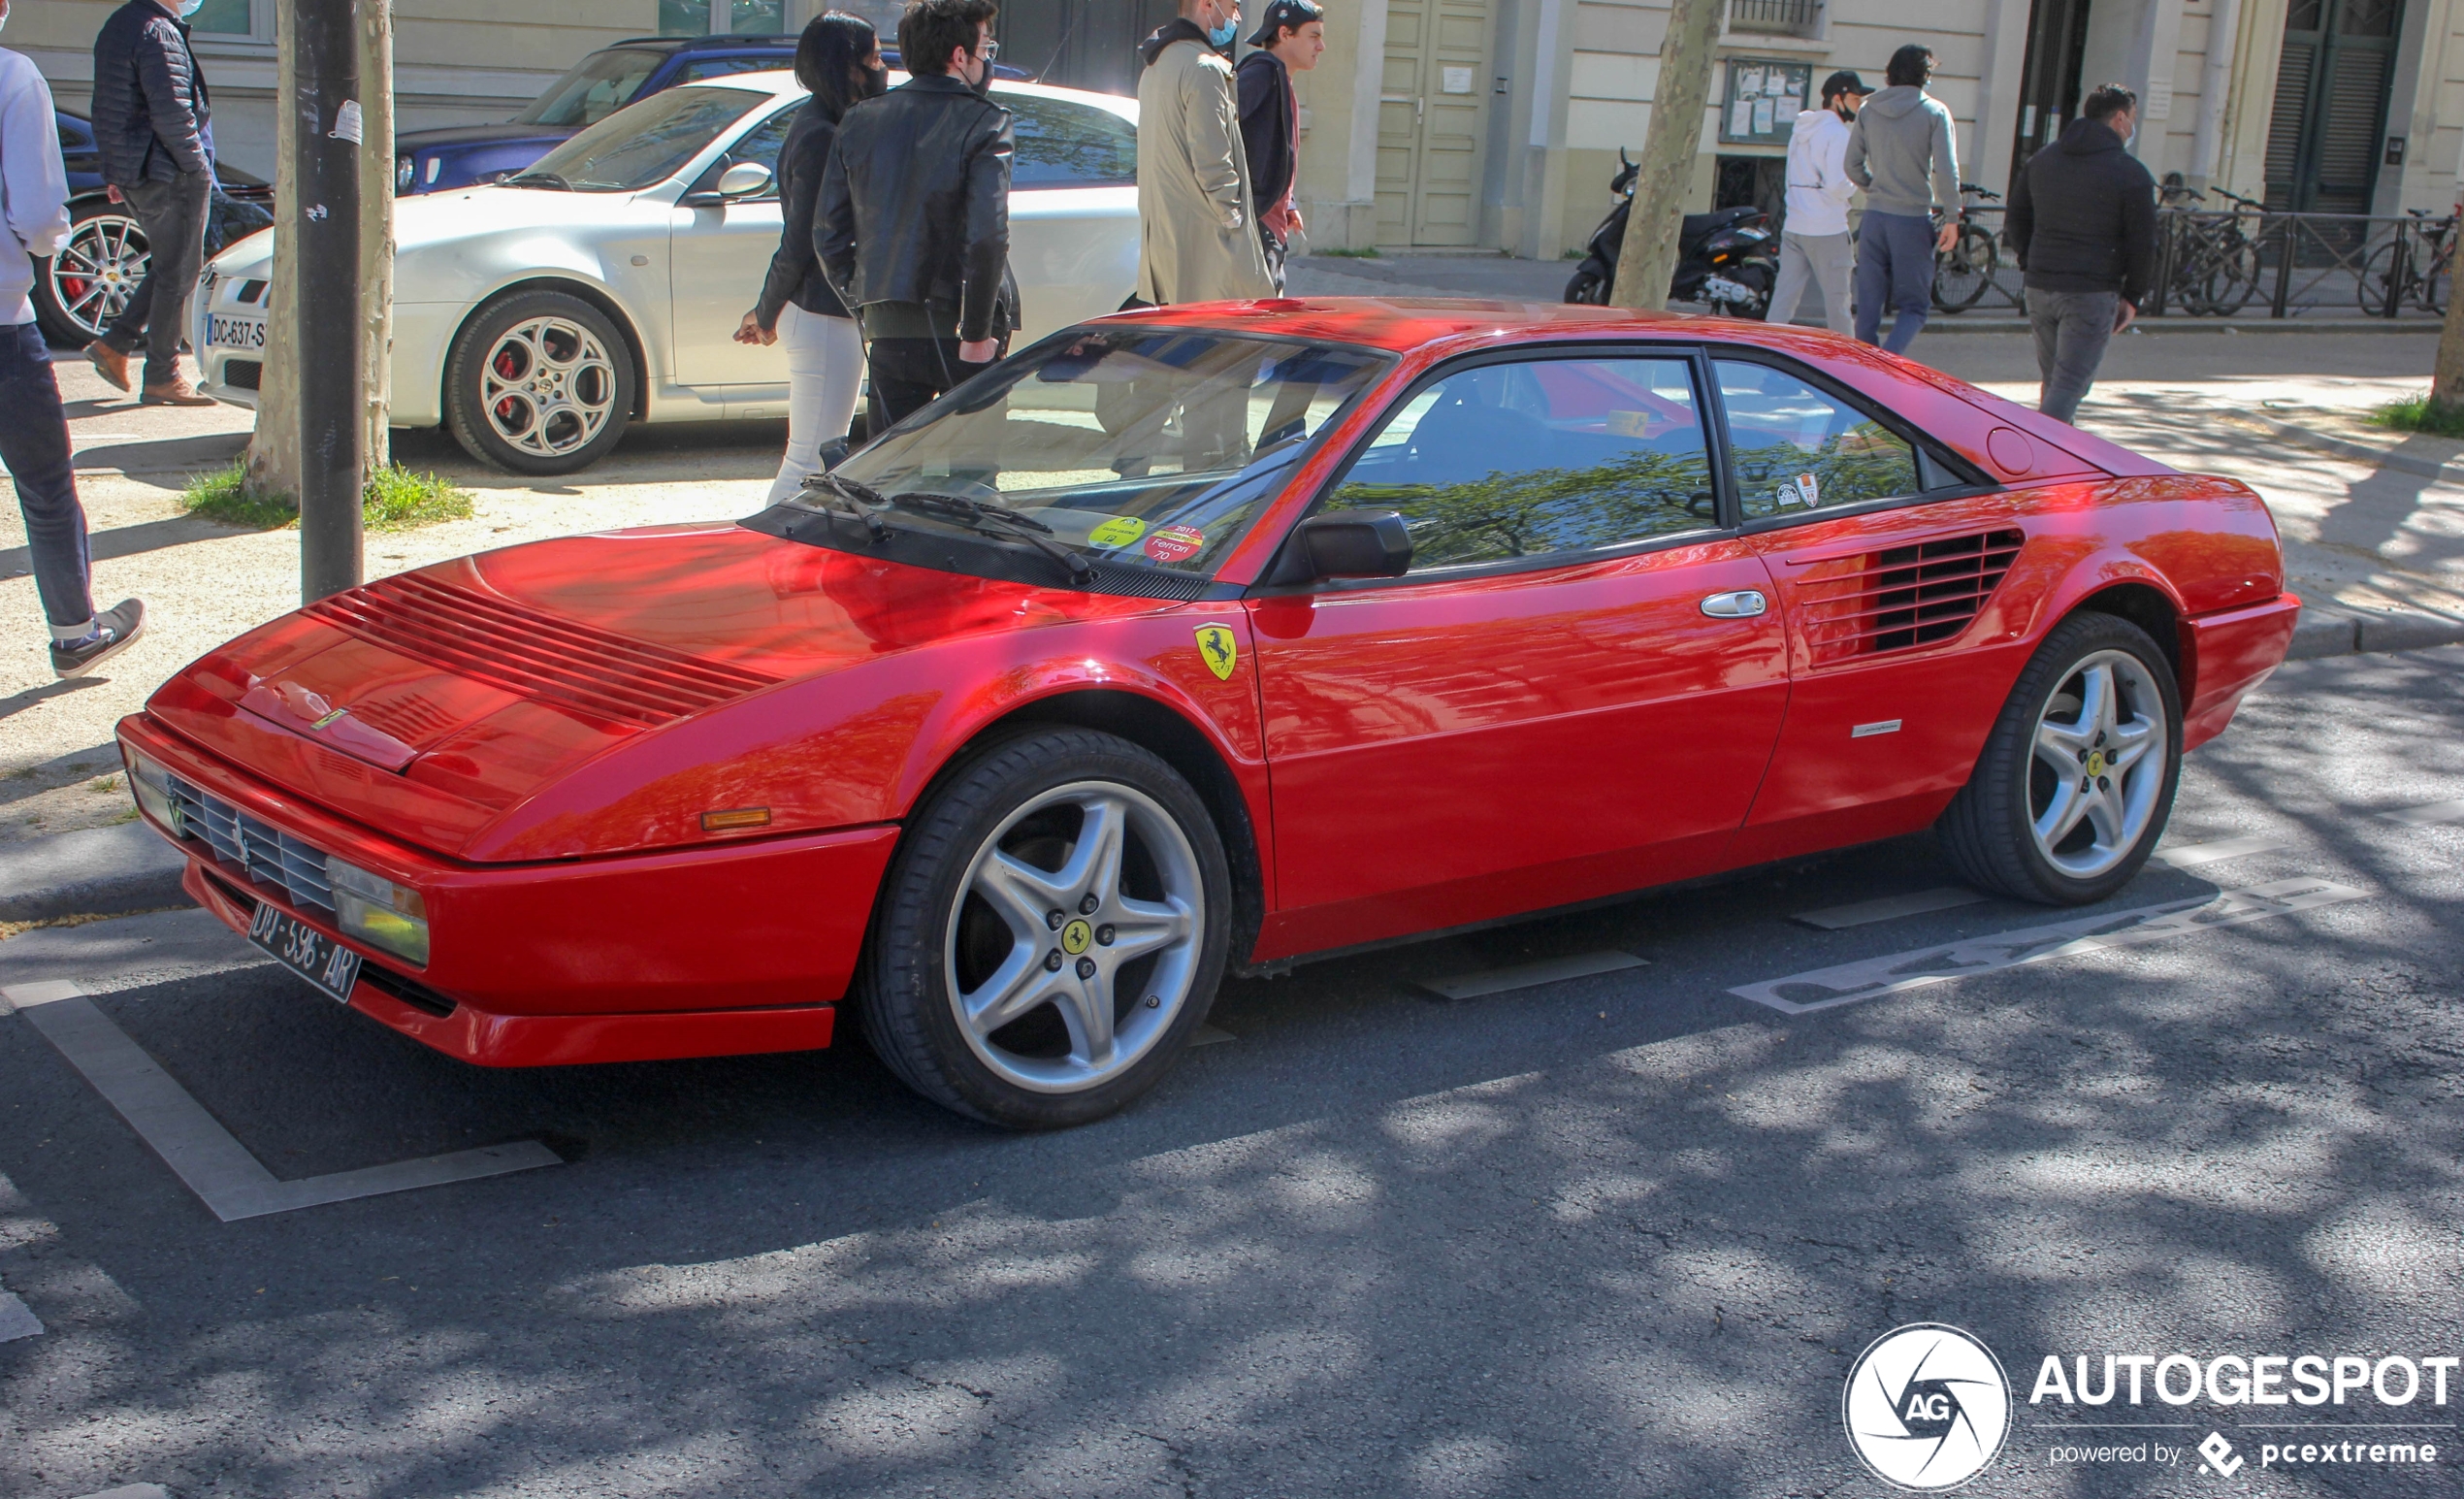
[234, 332]
[306, 950]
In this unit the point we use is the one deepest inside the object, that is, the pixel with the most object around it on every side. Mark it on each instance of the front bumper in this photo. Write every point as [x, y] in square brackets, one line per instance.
[726, 949]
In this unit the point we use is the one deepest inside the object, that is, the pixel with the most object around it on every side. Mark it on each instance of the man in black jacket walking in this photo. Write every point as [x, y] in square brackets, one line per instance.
[2082, 219]
[153, 124]
[913, 223]
[1289, 40]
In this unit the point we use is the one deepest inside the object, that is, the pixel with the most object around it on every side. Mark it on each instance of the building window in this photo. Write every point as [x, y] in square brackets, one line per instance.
[1775, 17]
[718, 17]
[234, 19]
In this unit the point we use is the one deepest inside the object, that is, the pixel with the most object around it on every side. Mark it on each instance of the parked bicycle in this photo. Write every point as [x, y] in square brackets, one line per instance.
[2415, 266]
[2215, 258]
[1965, 273]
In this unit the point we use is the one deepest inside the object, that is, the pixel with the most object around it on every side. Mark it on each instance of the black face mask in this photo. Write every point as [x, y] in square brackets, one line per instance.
[984, 84]
[872, 83]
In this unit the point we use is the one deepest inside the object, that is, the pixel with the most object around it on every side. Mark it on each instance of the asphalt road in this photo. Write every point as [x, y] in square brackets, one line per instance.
[1616, 1234]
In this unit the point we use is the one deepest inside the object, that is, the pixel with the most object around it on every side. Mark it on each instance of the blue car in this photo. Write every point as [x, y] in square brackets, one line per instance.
[592, 89]
[78, 292]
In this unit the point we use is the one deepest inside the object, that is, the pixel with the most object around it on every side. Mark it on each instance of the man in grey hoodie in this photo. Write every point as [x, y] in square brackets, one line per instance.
[1904, 154]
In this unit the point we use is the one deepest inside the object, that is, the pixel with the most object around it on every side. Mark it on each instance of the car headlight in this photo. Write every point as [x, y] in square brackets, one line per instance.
[152, 784]
[404, 167]
[377, 911]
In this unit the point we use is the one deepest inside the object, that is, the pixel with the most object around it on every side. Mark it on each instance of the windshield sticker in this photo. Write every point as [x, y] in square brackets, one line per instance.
[1118, 531]
[1219, 649]
[1175, 543]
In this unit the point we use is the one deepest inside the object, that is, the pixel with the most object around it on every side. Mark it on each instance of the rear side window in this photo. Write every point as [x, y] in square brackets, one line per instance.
[1533, 459]
[1796, 449]
[1066, 144]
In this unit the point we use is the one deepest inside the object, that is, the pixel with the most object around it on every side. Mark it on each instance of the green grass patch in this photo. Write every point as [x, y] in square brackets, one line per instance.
[1365, 252]
[2417, 416]
[396, 500]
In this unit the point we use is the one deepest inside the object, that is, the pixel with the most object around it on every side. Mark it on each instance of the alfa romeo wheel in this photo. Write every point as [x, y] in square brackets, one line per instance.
[1049, 934]
[79, 291]
[539, 383]
[2077, 777]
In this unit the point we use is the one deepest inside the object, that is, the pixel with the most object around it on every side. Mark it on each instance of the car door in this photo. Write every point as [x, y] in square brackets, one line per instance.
[1888, 552]
[721, 252]
[1073, 210]
[1573, 691]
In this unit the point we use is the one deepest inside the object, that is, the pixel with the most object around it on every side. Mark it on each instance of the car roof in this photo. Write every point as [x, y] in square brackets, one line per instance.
[756, 41]
[1401, 324]
[781, 83]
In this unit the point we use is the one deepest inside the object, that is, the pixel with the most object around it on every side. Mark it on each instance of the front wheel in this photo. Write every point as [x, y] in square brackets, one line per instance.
[2078, 776]
[539, 382]
[1051, 933]
[1965, 273]
[1589, 285]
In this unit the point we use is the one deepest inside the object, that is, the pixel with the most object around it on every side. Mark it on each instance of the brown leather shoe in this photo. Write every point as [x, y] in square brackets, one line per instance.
[176, 393]
[109, 362]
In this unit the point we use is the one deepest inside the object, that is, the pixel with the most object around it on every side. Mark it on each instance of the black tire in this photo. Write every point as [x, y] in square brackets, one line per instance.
[908, 980]
[106, 246]
[1985, 832]
[1589, 286]
[2376, 289]
[2231, 277]
[522, 435]
[1965, 271]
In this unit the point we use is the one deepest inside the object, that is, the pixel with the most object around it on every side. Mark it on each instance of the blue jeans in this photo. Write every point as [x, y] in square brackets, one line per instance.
[1894, 264]
[34, 442]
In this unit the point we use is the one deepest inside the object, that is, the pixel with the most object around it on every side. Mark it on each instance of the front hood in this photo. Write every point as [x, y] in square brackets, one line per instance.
[440, 704]
[468, 213]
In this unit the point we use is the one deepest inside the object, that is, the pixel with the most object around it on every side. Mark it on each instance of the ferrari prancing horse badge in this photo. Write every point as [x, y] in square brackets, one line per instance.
[1218, 648]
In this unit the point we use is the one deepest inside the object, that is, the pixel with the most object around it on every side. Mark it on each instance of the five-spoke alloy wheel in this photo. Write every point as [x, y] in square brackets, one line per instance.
[1051, 932]
[2078, 776]
[539, 383]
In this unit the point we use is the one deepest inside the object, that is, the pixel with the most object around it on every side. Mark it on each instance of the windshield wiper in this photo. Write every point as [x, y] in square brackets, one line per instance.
[975, 515]
[838, 495]
[538, 179]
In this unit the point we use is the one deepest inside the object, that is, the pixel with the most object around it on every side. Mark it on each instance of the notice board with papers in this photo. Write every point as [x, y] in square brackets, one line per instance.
[1763, 94]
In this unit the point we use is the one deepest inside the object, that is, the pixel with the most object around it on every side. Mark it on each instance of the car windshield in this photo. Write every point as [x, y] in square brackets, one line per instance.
[1145, 451]
[594, 88]
[648, 143]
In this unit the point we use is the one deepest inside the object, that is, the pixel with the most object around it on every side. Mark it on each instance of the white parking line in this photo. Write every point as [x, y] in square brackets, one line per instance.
[2196, 854]
[2430, 816]
[1942, 897]
[1871, 978]
[16, 1320]
[133, 1491]
[193, 1143]
[1496, 981]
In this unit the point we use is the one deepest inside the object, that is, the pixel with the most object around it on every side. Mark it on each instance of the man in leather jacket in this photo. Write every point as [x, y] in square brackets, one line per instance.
[913, 221]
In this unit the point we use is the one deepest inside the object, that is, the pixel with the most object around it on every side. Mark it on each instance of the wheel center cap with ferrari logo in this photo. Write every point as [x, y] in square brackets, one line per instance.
[1075, 936]
[2097, 761]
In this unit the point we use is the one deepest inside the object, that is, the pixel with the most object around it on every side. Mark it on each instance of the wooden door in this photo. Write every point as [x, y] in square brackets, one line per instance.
[1432, 121]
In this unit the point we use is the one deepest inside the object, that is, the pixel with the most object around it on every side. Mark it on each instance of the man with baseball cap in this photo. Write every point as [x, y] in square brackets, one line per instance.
[1813, 242]
[1290, 38]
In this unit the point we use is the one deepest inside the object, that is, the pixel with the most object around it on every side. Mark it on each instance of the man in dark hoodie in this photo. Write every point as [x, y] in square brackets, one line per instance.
[1289, 40]
[2082, 219]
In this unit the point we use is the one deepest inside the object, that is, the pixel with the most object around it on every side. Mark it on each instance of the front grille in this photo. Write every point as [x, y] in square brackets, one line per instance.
[265, 854]
[1906, 595]
[242, 374]
[489, 638]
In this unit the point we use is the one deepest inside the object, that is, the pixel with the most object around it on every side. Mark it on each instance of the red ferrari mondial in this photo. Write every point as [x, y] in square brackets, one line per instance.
[1218, 636]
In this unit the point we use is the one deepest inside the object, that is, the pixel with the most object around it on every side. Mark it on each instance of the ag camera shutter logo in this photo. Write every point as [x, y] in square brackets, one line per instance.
[1926, 1406]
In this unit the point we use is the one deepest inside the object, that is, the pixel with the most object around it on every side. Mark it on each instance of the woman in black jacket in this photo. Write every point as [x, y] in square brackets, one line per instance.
[839, 59]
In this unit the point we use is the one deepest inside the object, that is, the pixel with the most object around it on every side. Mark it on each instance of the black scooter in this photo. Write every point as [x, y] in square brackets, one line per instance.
[1728, 258]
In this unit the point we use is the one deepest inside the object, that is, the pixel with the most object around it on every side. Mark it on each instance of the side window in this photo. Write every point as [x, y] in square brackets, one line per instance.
[1065, 145]
[1529, 460]
[701, 68]
[762, 144]
[1796, 449]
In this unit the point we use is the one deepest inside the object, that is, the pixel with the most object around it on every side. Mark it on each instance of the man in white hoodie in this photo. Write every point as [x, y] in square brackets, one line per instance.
[34, 431]
[1813, 242]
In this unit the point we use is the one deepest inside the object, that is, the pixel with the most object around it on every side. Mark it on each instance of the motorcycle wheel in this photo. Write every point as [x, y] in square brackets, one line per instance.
[1589, 287]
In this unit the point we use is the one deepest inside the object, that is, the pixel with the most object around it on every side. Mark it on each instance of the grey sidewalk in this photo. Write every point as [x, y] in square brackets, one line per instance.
[127, 867]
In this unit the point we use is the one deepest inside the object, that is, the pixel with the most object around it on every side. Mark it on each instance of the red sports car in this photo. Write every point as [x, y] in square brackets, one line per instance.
[1214, 637]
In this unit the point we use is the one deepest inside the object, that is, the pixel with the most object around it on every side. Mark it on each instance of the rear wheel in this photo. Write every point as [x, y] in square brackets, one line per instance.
[79, 291]
[2077, 779]
[539, 382]
[1051, 933]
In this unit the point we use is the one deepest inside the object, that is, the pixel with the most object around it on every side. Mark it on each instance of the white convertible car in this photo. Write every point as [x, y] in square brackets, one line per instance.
[537, 317]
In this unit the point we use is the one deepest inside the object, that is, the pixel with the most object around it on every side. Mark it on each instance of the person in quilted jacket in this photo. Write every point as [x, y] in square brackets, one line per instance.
[153, 124]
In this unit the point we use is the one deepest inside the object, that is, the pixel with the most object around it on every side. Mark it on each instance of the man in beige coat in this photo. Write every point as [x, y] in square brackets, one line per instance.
[1197, 227]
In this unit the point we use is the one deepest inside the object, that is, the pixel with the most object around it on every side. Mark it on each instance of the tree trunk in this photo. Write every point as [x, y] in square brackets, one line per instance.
[2446, 385]
[1649, 257]
[273, 450]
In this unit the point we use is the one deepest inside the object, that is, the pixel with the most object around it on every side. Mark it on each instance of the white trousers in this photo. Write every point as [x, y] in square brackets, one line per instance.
[825, 369]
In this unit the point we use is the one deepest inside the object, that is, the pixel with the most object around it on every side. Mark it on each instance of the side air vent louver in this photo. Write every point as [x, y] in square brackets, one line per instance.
[1904, 595]
[491, 640]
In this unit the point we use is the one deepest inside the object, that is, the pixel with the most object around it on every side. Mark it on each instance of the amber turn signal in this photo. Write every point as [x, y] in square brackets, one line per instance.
[735, 817]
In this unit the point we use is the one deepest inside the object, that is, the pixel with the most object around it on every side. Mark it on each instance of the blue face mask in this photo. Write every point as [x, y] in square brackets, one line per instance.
[1222, 36]
[188, 8]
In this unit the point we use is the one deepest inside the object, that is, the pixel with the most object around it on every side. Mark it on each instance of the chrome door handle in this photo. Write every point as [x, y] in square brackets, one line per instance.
[1743, 603]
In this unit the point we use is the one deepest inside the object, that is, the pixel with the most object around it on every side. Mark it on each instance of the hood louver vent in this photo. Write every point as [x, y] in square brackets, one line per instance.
[494, 640]
[1905, 595]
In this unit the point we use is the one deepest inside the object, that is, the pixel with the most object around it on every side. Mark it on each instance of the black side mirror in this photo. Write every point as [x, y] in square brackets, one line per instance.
[1346, 544]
